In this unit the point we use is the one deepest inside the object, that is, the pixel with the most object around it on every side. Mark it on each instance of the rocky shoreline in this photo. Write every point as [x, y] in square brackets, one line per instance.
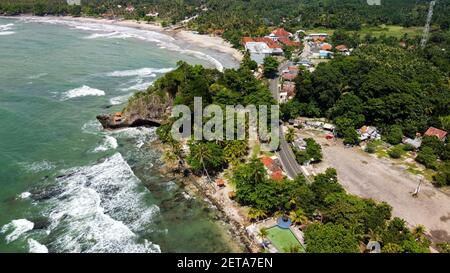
[196, 186]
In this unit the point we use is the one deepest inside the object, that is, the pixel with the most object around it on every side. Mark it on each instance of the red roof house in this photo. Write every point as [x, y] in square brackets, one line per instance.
[281, 33]
[441, 134]
[272, 44]
[289, 76]
[326, 46]
[247, 40]
[277, 175]
[267, 161]
[341, 48]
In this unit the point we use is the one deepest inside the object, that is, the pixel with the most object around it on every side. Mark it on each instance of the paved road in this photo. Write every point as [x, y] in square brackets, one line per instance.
[287, 157]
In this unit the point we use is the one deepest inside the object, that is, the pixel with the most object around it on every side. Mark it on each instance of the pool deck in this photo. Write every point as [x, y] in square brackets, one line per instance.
[254, 229]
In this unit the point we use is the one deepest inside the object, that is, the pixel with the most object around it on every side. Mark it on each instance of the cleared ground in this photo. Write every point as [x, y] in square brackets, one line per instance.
[371, 177]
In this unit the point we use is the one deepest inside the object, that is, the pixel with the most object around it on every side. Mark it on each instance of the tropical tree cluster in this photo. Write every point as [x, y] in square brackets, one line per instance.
[339, 222]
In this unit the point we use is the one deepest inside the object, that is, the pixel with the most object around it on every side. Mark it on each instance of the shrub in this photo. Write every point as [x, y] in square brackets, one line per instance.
[396, 152]
[427, 157]
[394, 135]
[371, 147]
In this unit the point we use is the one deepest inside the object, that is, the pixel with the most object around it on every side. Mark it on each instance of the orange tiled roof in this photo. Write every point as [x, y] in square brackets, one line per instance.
[341, 47]
[277, 175]
[267, 161]
[268, 41]
[326, 47]
[436, 132]
[220, 182]
[287, 42]
[280, 32]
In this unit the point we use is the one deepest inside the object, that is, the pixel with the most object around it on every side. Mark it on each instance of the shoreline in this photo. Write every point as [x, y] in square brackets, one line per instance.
[229, 210]
[205, 42]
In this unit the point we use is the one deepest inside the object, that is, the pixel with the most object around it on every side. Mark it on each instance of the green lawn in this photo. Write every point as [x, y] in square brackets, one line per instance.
[283, 239]
[388, 30]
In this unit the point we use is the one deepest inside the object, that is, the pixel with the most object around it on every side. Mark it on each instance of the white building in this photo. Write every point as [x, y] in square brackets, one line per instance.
[258, 51]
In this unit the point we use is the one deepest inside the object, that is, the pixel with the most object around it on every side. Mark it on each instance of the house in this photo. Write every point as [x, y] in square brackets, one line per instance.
[289, 88]
[277, 176]
[328, 127]
[413, 142]
[232, 195]
[274, 47]
[325, 54]
[129, 8]
[288, 76]
[326, 47]
[341, 48]
[317, 36]
[279, 33]
[368, 132]
[288, 42]
[440, 134]
[258, 51]
[300, 144]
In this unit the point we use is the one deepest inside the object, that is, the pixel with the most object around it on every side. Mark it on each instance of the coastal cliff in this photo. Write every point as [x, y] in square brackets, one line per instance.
[143, 109]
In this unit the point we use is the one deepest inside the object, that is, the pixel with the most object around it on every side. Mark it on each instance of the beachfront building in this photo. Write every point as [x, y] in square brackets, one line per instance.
[258, 51]
[368, 132]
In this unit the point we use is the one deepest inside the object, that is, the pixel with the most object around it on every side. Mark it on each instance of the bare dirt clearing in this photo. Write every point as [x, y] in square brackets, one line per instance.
[370, 177]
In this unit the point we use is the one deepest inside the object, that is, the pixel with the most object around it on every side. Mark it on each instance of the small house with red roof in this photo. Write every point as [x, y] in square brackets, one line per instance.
[440, 134]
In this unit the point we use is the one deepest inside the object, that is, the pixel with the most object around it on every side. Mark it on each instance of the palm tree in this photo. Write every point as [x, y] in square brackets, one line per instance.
[256, 214]
[298, 216]
[202, 154]
[419, 233]
[290, 136]
[170, 158]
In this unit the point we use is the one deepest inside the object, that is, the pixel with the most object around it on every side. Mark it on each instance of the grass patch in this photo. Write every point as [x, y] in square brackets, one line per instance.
[283, 239]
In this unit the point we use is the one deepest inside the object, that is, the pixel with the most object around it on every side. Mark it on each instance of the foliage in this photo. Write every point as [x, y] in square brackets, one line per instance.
[206, 156]
[270, 67]
[330, 238]
[313, 152]
[394, 135]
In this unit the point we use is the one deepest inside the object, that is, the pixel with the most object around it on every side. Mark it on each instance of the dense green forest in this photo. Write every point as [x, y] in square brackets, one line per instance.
[334, 216]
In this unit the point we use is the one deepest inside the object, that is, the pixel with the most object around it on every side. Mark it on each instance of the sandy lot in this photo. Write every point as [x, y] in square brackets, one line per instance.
[365, 175]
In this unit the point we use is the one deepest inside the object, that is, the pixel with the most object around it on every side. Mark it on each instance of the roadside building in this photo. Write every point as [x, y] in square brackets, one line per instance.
[317, 36]
[326, 46]
[440, 134]
[368, 132]
[416, 142]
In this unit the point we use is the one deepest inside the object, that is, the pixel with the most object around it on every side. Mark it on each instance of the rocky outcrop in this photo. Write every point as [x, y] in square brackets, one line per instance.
[148, 110]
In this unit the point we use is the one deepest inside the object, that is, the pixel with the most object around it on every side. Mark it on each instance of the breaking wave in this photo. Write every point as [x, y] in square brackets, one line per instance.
[142, 72]
[4, 29]
[101, 208]
[120, 99]
[36, 247]
[82, 92]
[108, 143]
[16, 228]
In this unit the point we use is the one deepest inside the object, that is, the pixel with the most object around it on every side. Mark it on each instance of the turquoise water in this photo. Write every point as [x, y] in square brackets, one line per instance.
[67, 186]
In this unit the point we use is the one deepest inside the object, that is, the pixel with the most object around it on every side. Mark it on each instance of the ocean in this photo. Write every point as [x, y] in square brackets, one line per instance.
[69, 186]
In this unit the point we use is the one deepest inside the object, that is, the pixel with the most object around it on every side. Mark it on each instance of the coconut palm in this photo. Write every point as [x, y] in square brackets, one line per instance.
[298, 216]
[419, 233]
[290, 136]
[256, 214]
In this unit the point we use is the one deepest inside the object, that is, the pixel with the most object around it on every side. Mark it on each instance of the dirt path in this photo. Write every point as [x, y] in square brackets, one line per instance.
[370, 177]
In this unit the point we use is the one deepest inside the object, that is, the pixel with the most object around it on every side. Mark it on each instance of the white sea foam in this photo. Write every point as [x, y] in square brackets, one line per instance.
[108, 143]
[6, 27]
[36, 247]
[36, 167]
[82, 92]
[114, 31]
[120, 99]
[101, 209]
[24, 195]
[141, 134]
[5, 33]
[140, 85]
[16, 228]
[92, 127]
[142, 72]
